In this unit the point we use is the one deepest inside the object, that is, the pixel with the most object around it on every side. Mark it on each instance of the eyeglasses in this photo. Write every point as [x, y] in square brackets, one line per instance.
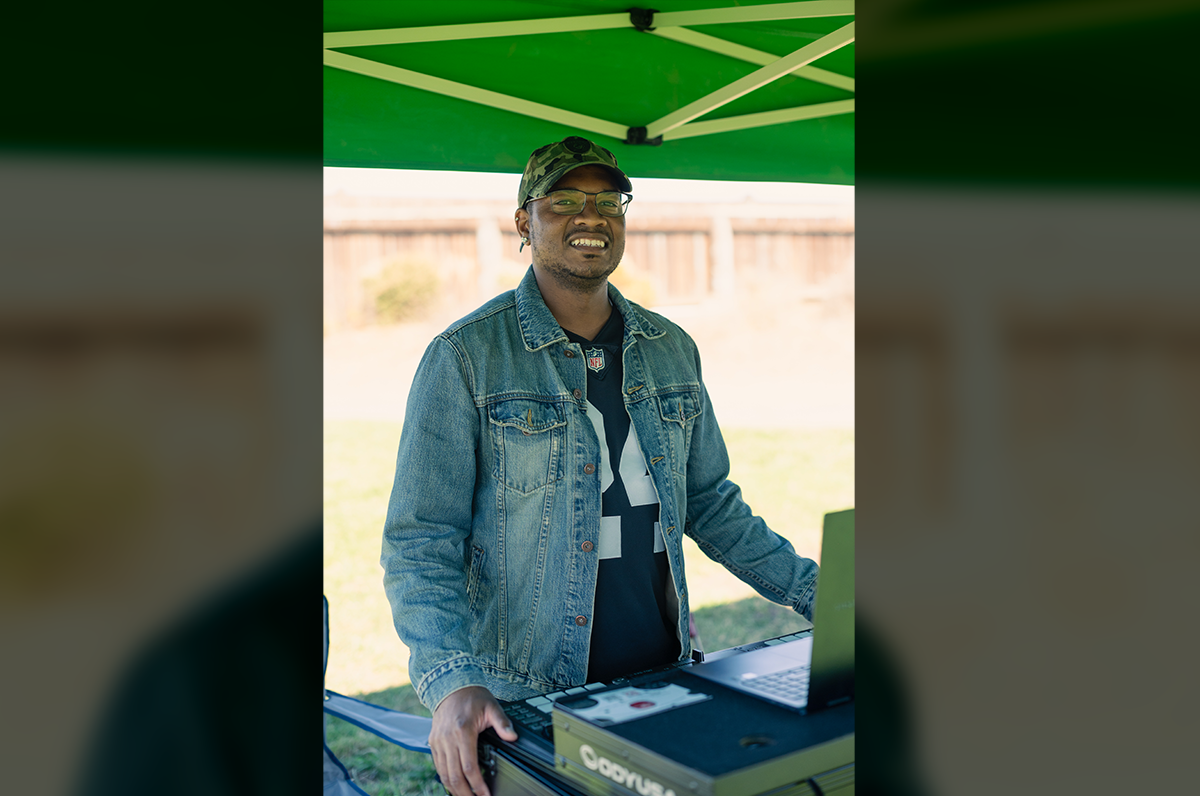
[571, 202]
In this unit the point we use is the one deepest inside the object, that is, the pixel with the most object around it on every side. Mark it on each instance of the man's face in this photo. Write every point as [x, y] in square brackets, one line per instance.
[564, 247]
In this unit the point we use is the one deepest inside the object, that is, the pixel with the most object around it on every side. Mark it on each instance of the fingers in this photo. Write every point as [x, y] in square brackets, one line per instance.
[439, 764]
[456, 761]
[469, 766]
[457, 722]
[495, 716]
[458, 769]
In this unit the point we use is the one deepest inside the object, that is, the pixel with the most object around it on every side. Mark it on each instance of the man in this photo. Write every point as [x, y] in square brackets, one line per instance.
[558, 442]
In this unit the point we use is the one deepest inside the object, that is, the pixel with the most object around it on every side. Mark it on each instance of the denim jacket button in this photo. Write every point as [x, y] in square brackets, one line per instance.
[586, 547]
[589, 468]
[569, 354]
[578, 393]
[581, 620]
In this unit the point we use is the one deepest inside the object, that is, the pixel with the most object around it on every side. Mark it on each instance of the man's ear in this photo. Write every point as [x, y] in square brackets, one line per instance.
[522, 222]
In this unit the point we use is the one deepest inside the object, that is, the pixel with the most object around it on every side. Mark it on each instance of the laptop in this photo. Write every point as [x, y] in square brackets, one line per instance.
[815, 671]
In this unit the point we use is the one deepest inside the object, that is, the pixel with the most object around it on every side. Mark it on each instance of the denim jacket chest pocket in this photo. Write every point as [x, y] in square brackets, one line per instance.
[528, 438]
[678, 410]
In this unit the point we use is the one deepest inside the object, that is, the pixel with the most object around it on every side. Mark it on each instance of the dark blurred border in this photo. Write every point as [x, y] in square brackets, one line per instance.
[1028, 367]
[146, 80]
[160, 420]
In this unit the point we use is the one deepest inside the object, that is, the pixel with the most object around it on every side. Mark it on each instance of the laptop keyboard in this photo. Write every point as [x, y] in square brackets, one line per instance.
[788, 683]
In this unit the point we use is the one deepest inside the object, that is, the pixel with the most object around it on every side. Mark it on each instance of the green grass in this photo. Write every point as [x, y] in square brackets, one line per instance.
[365, 654]
[752, 619]
[789, 477]
[381, 768]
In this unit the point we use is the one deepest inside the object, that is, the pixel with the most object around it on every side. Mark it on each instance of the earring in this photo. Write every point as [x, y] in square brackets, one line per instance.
[524, 243]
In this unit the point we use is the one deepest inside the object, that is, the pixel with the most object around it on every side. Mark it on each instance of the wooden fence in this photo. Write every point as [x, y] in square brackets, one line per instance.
[669, 258]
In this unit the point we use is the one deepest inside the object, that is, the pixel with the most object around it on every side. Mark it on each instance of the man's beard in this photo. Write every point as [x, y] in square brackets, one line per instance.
[585, 280]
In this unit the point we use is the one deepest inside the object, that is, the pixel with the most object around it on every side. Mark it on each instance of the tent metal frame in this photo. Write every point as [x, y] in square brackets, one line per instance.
[669, 25]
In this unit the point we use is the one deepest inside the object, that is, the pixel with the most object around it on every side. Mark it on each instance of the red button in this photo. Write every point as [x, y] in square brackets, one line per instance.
[581, 620]
[586, 547]
[589, 468]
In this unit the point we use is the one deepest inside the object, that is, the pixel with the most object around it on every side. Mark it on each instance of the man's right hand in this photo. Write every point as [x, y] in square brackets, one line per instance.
[457, 722]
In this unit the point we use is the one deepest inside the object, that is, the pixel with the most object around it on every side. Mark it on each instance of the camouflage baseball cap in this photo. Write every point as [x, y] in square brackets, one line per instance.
[549, 163]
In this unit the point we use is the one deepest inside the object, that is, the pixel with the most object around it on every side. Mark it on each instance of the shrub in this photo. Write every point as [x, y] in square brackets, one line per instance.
[403, 290]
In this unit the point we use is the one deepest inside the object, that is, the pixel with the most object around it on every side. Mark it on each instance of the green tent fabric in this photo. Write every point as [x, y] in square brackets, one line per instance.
[696, 89]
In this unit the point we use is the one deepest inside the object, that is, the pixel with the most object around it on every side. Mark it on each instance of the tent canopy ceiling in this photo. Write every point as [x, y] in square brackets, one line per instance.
[699, 89]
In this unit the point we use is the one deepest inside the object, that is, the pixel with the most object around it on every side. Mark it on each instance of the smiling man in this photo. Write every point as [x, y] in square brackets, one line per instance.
[557, 444]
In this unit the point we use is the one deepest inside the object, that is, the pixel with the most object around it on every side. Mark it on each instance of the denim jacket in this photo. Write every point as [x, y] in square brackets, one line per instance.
[497, 490]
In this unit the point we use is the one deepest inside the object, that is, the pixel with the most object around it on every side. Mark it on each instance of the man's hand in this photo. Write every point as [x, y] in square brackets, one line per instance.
[457, 722]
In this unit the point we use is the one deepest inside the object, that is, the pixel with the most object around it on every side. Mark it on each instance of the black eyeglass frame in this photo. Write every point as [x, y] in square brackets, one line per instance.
[625, 199]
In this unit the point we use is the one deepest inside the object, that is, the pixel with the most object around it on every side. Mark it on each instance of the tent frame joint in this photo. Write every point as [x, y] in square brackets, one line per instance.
[642, 18]
[637, 135]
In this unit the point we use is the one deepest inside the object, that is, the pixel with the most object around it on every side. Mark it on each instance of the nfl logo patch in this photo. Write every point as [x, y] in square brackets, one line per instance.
[595, 359]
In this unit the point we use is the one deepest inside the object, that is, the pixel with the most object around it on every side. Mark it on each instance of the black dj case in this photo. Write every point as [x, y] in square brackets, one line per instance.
[730, 745]
[512, 774]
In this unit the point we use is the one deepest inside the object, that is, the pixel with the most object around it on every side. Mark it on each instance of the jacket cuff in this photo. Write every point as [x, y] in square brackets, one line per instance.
[804, 606]
[443, 680]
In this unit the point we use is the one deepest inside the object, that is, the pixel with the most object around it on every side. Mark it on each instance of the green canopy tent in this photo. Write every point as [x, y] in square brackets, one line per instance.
[695, 89]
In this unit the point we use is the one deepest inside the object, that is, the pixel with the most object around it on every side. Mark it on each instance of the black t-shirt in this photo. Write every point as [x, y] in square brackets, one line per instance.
[632, 627]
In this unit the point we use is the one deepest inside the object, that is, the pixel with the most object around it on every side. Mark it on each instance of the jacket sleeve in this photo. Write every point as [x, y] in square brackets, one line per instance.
[428, 522]
[728, 531]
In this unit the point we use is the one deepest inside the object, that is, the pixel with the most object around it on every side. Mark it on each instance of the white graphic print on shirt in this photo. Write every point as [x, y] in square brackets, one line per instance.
[639, 486]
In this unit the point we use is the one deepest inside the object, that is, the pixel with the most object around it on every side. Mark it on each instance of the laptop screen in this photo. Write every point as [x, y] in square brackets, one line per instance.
[832, 678]
[810, 672]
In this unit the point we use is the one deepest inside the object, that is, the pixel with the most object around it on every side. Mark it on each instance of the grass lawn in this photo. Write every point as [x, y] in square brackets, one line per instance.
[789, 477]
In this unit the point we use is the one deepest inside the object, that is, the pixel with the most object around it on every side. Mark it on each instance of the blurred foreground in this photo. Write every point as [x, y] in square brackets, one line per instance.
[159, 433]
[1028, 449]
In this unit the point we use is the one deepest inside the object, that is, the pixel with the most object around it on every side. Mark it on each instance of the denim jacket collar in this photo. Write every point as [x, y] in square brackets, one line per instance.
[539, 328]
